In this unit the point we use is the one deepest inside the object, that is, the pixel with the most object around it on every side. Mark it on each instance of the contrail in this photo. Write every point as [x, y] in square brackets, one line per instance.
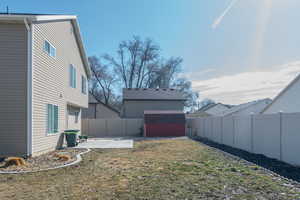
[219, 19]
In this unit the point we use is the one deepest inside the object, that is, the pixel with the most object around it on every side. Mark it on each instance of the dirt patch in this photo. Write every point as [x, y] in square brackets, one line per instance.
[44, 161]
[281, 168]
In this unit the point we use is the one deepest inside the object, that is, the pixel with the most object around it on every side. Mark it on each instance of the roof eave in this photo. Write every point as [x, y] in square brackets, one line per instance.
[44, 18]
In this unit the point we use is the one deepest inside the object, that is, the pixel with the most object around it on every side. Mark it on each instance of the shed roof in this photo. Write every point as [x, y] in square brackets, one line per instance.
[152, 94]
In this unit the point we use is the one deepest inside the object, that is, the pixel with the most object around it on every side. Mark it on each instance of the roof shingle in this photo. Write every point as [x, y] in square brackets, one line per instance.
[152, 94]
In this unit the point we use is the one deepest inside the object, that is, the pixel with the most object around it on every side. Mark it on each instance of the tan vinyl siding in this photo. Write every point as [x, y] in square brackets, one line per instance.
[13, 90]
[51, 80]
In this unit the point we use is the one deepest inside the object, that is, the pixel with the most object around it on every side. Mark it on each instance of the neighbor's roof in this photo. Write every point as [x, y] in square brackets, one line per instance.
[282, 92]
[31, 18]
[244, 106]
[93, 100]
[211, 105]
[152, 94]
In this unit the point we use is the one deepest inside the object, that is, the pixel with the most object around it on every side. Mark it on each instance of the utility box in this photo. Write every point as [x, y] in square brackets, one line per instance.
[166, 123]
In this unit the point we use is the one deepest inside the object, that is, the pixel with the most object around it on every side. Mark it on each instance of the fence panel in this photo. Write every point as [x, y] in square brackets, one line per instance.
[217, 129]
[266, 135]
[134, 127]
[228, 131]
[96, 128]
[242, 132]
[115, 127]
[208, 128]
[112, 127]
[291, 138]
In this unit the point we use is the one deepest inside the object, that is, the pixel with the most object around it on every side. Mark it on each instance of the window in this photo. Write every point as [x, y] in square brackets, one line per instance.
[49, 49]
[72, 76]
[76, 117]
[83, 84]
[52, 118]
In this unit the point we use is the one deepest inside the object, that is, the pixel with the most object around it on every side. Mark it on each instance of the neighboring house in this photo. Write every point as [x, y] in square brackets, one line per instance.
[213, 109]
[43, 81]
[287, 100]
[98, 110]
[136, 101]
[253, 107]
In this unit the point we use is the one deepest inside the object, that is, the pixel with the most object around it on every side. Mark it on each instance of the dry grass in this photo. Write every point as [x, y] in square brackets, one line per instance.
[159, 169]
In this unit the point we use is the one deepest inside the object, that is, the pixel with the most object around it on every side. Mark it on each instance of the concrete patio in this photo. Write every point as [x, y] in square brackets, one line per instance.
[107, 143]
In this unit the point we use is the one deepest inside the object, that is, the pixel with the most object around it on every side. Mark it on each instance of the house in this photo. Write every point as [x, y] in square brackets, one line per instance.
[287, 100]
[253, 107]
[213, 109]
[136, 101]
[99, 110]
[43, 81]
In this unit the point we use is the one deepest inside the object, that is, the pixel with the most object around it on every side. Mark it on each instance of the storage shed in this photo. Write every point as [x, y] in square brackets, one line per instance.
[164, 123]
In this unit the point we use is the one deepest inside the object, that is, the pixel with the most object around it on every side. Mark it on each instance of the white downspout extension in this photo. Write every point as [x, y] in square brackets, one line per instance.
[29, 28]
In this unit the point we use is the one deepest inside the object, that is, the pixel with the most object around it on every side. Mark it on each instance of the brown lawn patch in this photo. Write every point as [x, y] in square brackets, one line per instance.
[158, 169]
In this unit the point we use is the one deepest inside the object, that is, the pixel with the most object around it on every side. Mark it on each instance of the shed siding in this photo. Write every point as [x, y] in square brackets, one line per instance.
[13, 90]
[135, 109]
[51, 80]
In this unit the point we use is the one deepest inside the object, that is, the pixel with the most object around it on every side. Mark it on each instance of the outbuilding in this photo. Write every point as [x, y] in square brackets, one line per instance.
[137, 100]
[164, 123]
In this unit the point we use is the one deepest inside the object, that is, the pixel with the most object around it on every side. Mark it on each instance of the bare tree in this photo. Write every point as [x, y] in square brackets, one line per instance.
[136, 60]
[185, 87]
[138, 64]
[165, 75]
[102, 81]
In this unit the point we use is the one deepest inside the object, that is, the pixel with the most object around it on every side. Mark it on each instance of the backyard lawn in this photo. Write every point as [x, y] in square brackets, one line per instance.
[153, 169]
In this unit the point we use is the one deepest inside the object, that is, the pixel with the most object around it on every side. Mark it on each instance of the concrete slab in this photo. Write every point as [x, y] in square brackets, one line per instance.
[105, 143]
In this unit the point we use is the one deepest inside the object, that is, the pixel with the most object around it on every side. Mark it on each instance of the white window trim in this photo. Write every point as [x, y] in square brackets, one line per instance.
[76, 82]
[51, 45]
[52, 133]
[86, 84]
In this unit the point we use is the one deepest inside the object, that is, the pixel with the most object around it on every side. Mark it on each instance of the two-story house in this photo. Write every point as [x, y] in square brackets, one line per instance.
[43, 81]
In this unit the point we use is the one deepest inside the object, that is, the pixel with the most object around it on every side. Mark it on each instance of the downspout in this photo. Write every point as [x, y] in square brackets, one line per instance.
[29, 28]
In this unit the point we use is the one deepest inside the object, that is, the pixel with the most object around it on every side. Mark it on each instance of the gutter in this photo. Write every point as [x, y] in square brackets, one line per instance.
[29, 28]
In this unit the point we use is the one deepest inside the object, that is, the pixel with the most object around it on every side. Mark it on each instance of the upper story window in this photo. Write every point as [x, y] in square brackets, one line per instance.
[49, 49]
[72, 76]
[83, 85]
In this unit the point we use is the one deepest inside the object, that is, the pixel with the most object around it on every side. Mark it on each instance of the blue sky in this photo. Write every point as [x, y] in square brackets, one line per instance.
[253, 53]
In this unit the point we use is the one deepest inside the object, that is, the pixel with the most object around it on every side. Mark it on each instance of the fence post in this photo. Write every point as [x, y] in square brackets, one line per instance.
[233, 122]
[280, 124]
[125, 127]
[106, 128]
[221, 130]
[252, 132]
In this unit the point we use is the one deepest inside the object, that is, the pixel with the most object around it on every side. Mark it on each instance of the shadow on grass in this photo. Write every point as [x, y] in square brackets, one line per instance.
[281, 168]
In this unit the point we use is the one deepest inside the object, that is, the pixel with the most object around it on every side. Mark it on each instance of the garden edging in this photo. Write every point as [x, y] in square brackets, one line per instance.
[78, 160]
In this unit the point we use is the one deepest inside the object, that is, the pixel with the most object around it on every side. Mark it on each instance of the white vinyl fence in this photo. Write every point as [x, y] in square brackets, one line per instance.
[273, 135]
[112, 127]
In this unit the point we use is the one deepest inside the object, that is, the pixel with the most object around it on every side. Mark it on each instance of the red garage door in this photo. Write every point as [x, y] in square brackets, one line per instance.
[164, 123]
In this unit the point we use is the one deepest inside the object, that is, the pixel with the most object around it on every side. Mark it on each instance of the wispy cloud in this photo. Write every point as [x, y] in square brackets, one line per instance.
[247, 86]
[221, 17]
